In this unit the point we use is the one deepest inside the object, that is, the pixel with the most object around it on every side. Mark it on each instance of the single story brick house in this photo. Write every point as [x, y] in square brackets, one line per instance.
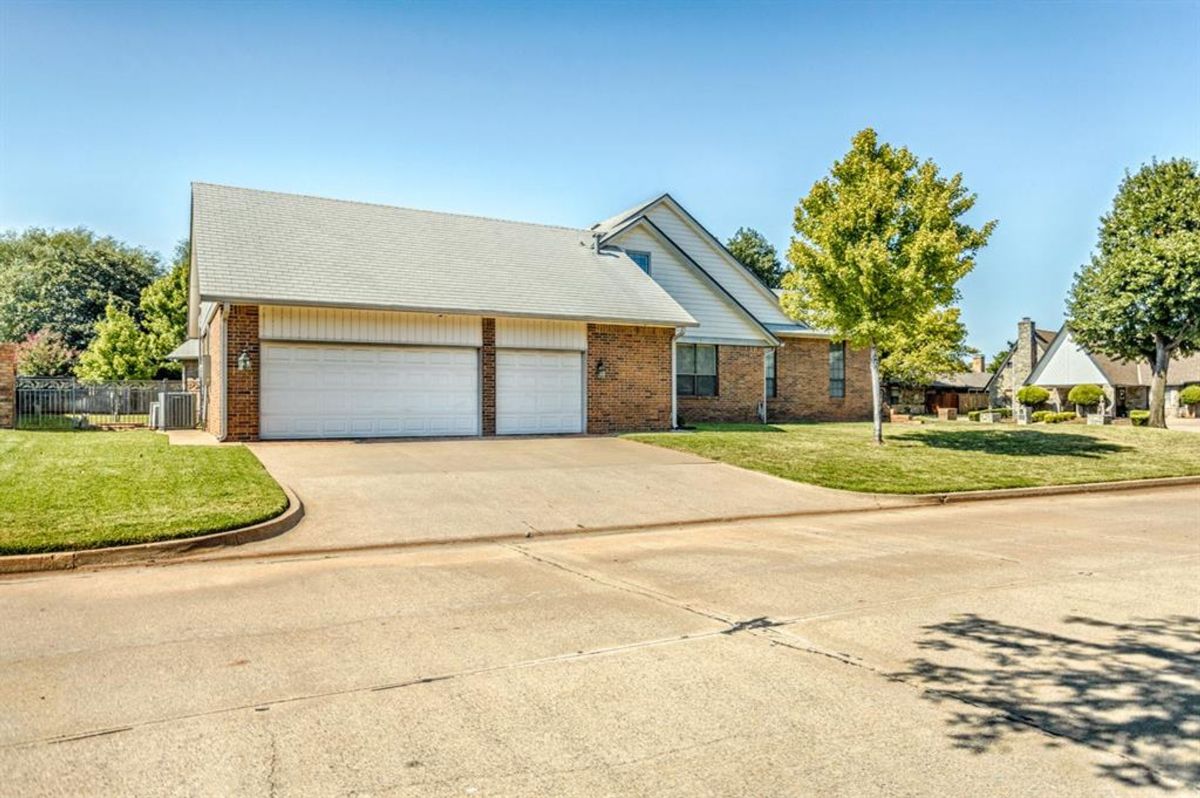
[322, 318]
[1126, 384]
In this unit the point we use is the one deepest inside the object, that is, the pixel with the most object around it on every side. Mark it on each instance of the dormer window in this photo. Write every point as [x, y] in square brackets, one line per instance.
[642, 259]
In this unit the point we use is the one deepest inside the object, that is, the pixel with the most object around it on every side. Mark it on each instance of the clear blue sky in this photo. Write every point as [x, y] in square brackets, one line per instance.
[564, 113]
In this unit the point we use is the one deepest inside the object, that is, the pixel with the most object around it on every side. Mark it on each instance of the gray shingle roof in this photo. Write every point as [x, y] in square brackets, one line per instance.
[274, 248]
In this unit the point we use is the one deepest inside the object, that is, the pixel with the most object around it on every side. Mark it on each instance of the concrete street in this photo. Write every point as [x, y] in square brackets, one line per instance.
[1026, 647]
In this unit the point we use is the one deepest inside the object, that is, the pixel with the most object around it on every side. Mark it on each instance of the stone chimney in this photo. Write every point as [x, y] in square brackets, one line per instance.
[1025, 355]
[977, 364]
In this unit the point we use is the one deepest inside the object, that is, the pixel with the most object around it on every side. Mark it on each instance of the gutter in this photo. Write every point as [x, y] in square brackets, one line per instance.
[679, 331]
[224, 371]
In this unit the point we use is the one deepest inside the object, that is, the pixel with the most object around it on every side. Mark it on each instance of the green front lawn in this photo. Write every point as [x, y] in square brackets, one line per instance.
[80, 490]
[942, 457]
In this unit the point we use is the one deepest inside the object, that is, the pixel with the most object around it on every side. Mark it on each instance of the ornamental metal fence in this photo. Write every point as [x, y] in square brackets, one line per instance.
[67, 403]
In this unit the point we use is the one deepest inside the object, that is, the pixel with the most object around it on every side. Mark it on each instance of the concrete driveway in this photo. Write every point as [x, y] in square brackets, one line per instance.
[1039, 647]
[386, 493]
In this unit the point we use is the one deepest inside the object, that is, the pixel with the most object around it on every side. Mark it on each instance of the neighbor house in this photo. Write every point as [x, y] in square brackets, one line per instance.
[1015, 367]
[1126, 384]
[961, 390]
[320, 318]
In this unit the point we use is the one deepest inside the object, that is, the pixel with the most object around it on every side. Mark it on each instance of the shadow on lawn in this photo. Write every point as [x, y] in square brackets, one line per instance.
[1130, 688]
[1022, 443]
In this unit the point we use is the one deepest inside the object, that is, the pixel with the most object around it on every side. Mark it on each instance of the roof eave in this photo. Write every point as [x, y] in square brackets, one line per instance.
[241, 299]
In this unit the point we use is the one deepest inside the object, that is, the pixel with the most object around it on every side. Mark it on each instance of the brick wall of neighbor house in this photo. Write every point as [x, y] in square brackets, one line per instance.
[214, 388]
[635, 393]
[740, 381]
[487, 377]
[8, 385]
[242, 393]
[802, 384]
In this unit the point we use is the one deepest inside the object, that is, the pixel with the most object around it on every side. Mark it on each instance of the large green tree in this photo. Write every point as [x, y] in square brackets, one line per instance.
[880, 244]
[164, 308]
[63, 280]
[937, 344]
[120, 350]
[1139, 297]
[757, 254]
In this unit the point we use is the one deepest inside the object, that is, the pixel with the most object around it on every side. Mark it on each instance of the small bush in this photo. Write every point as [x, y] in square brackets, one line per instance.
[1086, 395]
[1003, 412]
[973, 415]
[1190, 395]
[1039, 416]
[1139, 418]
[1066, 415]
[1032, 395]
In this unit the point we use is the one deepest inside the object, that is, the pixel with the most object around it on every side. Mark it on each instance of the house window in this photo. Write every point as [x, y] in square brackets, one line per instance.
[837, 369]
[642, 259]
[770, 363]
[696, 370]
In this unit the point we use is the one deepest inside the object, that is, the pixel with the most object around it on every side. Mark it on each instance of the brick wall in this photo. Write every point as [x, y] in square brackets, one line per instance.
[802, 384]
[242, 386]
[487, 368]
[635, 393]
[215, 386]
[740, 379]
[8, 385]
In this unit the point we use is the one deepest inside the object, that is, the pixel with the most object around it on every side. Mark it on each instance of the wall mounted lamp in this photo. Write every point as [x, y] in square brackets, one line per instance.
[243, 361]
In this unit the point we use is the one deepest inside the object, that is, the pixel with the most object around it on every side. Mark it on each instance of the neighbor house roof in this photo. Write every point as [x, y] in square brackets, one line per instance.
[963, 380]
[188, 350]
[1181, 371]
[287, 249]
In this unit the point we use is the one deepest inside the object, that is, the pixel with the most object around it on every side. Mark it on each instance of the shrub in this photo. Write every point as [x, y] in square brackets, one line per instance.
[1085, 394]
[1032, 395]
[1066, 415]
[44, 354]
[1139, 418]
[1040, 415]
[973, 415]
[1190, 395]
[1003, 412]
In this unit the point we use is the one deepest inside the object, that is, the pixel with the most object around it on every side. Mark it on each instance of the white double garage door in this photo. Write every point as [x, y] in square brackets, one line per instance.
[311, 390]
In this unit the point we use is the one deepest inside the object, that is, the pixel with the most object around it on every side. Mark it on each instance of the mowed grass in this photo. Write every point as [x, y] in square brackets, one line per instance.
[942, 457]
[79, 490]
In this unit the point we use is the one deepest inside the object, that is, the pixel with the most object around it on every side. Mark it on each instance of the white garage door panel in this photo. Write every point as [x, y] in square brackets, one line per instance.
[538, 392]
[368, 391]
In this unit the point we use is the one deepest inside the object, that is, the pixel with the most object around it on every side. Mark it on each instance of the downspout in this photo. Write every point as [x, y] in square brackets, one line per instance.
[674, 396]
[224, 371]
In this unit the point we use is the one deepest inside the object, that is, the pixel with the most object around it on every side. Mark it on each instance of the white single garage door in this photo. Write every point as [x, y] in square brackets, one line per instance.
[347, 391]
[538, 392]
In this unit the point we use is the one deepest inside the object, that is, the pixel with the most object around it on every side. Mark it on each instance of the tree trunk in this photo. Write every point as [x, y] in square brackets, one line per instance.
[876, 398]
[1158, 384]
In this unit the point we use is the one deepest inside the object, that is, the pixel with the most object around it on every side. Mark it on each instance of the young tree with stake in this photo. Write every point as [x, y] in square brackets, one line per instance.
[880, 246]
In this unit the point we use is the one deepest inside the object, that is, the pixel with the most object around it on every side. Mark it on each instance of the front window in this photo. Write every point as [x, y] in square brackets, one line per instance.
[837, 370]
[642, 259]
[770, 372]
[696, 370]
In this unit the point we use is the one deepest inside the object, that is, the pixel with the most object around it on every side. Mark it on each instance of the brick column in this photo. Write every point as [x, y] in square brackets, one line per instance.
[8, 385]
[487, 376]
[242, 386]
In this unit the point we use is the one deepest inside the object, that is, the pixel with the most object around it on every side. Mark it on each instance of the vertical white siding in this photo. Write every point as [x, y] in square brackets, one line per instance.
[1069, 365]
[368, 326]
[718, 319]
[732, 278]
[540, 334]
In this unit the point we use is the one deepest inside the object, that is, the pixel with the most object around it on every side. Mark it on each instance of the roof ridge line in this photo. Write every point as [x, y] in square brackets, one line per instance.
[393, 207]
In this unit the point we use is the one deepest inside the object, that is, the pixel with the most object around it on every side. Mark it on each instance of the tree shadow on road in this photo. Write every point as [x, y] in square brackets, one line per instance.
[1020, 443]
[1130, 688]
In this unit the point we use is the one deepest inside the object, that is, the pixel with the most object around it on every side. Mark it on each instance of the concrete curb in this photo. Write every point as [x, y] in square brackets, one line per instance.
[145, 553]
[1056, 490]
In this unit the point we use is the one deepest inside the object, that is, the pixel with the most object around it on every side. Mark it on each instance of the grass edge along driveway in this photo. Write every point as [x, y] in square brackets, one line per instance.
[79, 490]
[941, 457]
